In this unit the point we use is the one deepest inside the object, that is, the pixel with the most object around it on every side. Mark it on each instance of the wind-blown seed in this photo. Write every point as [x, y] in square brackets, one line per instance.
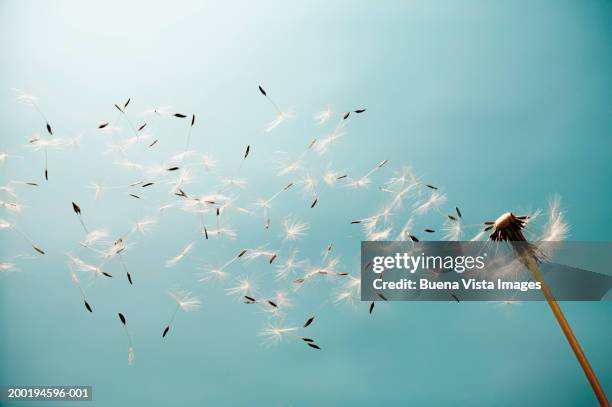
[346, 115]
[192, 120]
[76, 208]
[313, 345]
[359, 110]
[148, 184]
[307, 340]
[38, 249]
[246, 153]
[458, 212]
[309, 321]
[314, 202]
[430, 231]
[179, 115]
[103, 125]
[263, 92]
[106, 274]
[165, 331]
[127, 102]
[153, 143]
[88, 307]
[142, 127]
[455, 297]
[49, 129]
[371, 307]
[122, 318]
[172, 168]
[135, 196]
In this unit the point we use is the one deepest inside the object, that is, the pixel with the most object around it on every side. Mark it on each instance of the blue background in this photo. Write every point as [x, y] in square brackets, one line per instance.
[500, 103]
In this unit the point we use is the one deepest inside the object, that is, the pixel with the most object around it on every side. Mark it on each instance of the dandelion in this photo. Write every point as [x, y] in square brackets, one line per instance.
[184, 300]
[509, 227]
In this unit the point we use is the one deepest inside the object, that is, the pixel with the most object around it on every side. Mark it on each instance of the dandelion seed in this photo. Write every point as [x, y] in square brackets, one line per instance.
[130, 356]
[435, 200]
[176, 259]
[323, 116]
[294, 229]
[308, 322]
[77, 210]
[280, 117]
[274, 334]
[556, 228]
[243, 287]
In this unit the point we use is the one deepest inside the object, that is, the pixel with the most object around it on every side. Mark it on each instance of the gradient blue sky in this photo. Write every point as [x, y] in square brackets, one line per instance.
[500, 103]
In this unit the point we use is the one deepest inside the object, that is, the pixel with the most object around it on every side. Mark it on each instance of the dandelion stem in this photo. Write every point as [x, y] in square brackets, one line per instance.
[531, 263]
